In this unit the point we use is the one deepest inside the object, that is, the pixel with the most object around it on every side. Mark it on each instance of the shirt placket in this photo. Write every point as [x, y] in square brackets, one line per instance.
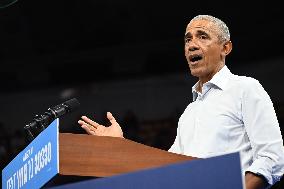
[198, 115]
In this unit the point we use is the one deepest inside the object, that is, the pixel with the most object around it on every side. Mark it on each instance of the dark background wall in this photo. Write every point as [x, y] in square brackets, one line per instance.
[125, 57]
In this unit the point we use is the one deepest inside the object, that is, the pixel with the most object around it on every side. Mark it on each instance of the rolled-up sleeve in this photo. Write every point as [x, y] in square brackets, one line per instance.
[263, 131]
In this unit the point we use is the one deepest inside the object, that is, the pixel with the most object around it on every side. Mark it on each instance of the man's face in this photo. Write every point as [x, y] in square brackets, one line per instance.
[203, 49]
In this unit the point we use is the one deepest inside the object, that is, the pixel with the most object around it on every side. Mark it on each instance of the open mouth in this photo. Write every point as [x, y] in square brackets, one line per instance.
[195, 57]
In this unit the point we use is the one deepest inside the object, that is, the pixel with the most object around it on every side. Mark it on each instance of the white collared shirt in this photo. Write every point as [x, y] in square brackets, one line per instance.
[233, 114]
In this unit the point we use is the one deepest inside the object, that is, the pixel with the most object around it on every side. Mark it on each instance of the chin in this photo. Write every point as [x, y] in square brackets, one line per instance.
[195, 72]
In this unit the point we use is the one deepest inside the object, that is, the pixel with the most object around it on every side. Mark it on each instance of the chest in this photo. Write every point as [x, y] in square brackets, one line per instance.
[209, 121]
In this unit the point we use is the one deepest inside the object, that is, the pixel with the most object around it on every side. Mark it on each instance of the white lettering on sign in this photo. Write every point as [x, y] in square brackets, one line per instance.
[32, 166]
[27, 154]
[42, 158]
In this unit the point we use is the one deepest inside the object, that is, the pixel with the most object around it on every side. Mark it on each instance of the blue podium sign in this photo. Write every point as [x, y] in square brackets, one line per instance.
[36, 164]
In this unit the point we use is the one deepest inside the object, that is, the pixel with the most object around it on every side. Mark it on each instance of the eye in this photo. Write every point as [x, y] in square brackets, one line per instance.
[187, 40]
[203, 37]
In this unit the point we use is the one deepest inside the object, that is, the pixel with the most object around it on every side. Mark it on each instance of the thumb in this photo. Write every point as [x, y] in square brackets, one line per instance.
[111, 118]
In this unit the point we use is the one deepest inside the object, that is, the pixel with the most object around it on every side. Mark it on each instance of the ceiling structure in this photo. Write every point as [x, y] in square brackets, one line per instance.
[50, 43]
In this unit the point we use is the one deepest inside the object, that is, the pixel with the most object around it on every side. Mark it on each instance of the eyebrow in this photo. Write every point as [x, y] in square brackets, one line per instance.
[187, 35]
[201, 32]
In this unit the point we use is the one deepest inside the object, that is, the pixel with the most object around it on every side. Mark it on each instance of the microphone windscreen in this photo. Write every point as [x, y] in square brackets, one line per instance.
[72, 104]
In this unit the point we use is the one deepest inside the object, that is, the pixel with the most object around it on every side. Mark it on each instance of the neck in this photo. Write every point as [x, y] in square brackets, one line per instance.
[199, 86]
[207, 78]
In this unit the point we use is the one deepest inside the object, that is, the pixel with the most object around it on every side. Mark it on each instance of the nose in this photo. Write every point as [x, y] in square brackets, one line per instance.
[192, 46]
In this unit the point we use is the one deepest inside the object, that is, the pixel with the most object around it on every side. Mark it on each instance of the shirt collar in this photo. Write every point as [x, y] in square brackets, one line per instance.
[220, 80]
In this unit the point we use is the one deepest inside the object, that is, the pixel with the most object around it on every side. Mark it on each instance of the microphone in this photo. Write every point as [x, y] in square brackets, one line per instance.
[40, 122]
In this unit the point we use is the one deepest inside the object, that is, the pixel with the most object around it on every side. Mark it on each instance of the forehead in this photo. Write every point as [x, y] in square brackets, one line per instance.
[205, 25]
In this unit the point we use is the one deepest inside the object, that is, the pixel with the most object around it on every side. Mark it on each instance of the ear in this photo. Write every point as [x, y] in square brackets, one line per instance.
[227, 48]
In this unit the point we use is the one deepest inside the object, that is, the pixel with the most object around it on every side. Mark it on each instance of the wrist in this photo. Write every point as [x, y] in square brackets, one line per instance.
[255, 181]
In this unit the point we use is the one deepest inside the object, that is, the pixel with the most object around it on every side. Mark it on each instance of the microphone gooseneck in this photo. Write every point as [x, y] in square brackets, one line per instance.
[40, 122]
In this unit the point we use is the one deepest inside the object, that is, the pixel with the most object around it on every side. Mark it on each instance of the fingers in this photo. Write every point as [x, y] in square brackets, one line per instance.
[111, 118]
[83, 123]
[90, 129]
[89, 121]
[93, 128]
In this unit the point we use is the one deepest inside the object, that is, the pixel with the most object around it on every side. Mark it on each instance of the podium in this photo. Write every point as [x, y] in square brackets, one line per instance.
[54, 159]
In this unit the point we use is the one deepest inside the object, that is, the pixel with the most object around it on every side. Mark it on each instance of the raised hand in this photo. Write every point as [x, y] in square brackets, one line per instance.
[93, 128]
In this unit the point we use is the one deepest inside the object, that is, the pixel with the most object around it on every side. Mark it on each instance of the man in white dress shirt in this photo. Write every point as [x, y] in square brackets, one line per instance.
[229, 113]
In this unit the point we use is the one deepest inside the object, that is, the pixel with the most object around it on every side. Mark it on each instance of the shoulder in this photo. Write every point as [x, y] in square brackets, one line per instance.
[245, 80]
[250, 88]
[246, 83]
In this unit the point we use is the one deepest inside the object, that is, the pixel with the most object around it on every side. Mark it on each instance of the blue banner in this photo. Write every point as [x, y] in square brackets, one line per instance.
[36, 164]
[220, 172]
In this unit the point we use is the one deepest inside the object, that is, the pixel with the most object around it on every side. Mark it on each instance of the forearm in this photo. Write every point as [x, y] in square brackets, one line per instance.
[254, 181]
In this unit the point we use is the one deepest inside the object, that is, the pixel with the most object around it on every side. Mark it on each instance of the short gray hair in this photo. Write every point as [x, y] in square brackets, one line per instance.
[223, 33]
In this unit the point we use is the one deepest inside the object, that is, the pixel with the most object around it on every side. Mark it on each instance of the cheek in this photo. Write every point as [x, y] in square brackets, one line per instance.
[185, 50]
[212, 56]
[186, 53]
